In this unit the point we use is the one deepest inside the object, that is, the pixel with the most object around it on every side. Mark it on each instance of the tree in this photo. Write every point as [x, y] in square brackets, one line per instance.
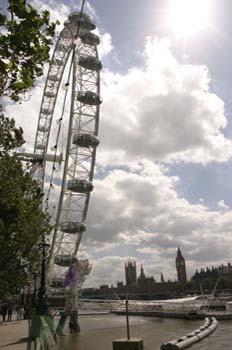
[25, 41]
[22, 222]
[10, 136]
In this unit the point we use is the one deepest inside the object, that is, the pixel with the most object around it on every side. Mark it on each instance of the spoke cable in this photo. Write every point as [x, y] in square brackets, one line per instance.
[63, 110]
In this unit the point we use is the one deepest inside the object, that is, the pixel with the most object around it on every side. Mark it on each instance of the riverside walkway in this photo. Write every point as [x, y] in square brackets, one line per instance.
[13, 335]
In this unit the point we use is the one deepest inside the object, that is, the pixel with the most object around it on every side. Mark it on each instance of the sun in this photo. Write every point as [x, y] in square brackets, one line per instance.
[188, 16]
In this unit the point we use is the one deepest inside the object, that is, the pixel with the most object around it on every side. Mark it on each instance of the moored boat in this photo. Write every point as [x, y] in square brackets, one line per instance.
[196, 307]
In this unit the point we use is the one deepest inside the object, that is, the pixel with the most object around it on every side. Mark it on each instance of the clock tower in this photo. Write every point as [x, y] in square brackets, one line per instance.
[180, 267]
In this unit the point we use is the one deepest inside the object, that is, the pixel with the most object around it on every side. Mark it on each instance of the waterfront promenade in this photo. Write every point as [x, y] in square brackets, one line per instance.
[13, 335]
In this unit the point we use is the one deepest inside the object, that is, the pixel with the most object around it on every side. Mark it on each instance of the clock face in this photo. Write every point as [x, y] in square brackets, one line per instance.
[180, 263]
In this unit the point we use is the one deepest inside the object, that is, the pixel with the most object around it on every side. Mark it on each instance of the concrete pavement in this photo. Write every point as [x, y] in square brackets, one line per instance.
[13, 335]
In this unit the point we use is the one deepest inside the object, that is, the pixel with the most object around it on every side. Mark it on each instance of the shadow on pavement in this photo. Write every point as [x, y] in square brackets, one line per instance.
[20, 341]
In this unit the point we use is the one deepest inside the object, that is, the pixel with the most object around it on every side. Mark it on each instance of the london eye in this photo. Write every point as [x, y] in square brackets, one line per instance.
[74, 76]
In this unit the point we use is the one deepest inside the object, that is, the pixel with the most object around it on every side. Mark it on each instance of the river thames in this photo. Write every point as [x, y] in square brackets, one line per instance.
[98, 332]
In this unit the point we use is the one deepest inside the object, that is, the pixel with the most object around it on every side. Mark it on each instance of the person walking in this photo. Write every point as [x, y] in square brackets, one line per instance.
[4, 311]
[9, 313]
[20, 313]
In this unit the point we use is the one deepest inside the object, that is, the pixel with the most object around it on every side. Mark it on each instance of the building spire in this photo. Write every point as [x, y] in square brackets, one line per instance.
[162, 278]
[180, 267]
[179, 254]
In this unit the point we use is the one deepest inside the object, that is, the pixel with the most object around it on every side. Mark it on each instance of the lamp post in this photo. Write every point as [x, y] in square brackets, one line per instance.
[28, 299]
[42, 302]
[35, 275]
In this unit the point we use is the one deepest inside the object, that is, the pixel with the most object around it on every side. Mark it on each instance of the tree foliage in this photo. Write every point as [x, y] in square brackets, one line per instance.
[25, 41]
[10, 136]
[22, 222]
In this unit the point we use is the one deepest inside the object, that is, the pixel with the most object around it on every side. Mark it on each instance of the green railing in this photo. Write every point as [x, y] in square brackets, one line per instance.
[41, 332]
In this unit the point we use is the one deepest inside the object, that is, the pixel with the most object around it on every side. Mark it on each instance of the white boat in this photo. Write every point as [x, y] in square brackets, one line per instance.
[198, 306]
[98, 304]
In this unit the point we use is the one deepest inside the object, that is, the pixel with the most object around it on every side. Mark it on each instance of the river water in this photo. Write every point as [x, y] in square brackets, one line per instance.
[98, 332]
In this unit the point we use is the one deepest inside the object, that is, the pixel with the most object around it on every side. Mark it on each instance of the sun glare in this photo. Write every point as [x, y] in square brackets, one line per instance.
[188, 16]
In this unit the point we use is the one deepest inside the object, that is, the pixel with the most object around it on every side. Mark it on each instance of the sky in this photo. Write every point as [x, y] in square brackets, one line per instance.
[163, 167]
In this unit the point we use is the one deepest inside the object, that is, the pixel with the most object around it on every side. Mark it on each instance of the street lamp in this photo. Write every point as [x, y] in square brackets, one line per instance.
[35, 275]
[42, 302]
[28, 299]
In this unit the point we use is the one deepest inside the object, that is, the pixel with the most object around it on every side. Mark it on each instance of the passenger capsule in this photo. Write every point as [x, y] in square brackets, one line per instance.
[65, 260]
[80, 186]
[57, 283]
[72, 227]
[85, 140]
[89, 38]
[90, 62]
[89, 98]
[82, 20]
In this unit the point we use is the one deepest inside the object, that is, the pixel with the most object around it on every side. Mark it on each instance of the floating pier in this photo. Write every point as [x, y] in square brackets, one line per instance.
[183, 342]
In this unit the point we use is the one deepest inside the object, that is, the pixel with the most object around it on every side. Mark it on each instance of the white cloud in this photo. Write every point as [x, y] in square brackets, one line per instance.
[162, 112]
[140, 214]
[106, 45]
[222, 205]
[26, 115]
[58, 12]
[106, 269]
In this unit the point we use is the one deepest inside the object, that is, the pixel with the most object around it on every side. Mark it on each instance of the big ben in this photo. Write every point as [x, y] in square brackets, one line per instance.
[180, 267]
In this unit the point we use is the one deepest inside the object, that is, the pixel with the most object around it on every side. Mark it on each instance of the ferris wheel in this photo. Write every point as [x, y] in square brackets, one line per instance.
[75, 66]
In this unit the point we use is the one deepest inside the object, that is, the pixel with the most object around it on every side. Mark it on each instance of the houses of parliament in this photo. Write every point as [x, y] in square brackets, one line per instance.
[142, 286]
[147, 283]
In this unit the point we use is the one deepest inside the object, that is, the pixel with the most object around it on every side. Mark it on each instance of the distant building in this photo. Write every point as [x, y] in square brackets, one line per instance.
[213, 273]
[130, 273]
[145, 283]
[180, 267]
[142, 279]
[120, 285]
[143, 287]
[162, 278]
[104, 287]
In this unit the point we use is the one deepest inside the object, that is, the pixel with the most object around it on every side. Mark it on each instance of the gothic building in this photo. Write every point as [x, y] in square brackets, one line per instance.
[180, 267]
[145, 283]
[131, 273]
[162, 278]
[142, 278]
[213, 273]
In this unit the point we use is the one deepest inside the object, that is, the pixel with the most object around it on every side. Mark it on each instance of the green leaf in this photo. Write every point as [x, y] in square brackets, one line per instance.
[25, 44]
